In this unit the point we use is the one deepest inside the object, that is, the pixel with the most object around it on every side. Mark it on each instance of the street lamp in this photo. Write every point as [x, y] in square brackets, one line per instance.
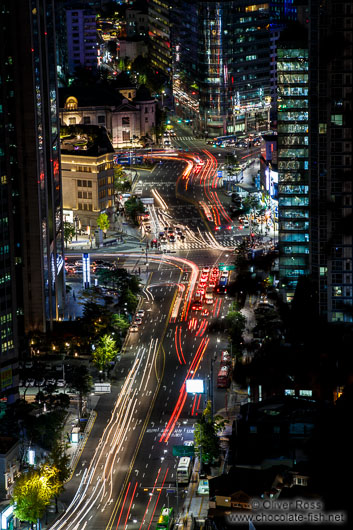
[76, 224]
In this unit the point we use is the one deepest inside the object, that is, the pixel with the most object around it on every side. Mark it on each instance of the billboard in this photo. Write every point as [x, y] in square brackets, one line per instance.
[195, 386]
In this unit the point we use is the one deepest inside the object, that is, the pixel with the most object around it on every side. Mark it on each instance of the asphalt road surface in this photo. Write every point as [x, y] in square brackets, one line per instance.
[127, 471]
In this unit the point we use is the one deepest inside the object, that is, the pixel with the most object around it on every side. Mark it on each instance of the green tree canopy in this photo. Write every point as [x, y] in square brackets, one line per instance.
[103, 223]
[105, 352]
[134, 207]
[33, 491]
[205, 435]
[69, 232]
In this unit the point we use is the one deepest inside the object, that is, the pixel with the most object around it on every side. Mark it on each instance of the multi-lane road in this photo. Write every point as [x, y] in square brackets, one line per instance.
[127, 470]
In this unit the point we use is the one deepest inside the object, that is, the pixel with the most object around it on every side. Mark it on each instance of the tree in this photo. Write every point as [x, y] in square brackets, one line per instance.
[236, 323]
[134, 207]
[205, 435]
[103, 223]
[59, 459]
[69, 232]
[120, 323]
[81, 381]
[33, 492]
[105, 352]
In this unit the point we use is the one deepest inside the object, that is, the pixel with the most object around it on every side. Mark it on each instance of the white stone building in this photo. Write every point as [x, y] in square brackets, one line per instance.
[126, 119]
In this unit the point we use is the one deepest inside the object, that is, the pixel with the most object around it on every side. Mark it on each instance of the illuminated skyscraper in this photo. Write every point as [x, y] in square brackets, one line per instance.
[32, 272]
[159, 14]
[293, 155]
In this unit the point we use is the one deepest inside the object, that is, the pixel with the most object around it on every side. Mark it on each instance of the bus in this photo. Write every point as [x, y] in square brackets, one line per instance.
[225, 140]
[223, 377]
[184, 470]
[222, 285]
[166, 519]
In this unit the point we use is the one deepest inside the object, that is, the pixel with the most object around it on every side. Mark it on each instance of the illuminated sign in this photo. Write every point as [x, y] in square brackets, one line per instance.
[86, 269]
[195, 386]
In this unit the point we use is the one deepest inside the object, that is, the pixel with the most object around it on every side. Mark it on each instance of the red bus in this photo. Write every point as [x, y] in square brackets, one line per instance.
[223, 377]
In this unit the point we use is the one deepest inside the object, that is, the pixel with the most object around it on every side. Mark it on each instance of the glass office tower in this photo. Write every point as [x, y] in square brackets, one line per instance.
[221, 61]
[31, 161]
[159, 15]
[293, 156]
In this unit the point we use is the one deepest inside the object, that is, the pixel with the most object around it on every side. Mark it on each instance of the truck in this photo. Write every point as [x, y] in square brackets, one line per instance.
[209, 295]
[224, 377]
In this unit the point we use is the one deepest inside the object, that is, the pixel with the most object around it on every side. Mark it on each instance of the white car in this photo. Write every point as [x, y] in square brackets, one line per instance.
[30, 382]
[140, 313]
[138, 321]
[50, 381]
[61, 383]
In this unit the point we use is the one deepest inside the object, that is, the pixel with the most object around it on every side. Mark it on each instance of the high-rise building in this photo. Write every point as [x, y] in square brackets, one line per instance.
[330, 135]
[31, 236]
[221, 63]
[9, 223]
[159, 14]
[82, 47]
[293, 155]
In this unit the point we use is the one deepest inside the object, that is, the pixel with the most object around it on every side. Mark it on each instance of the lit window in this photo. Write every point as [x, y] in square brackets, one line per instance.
[337, 119]
[306, 393]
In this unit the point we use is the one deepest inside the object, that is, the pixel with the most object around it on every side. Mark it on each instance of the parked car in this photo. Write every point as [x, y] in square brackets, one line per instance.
[30, 382]
[40, 381]
[50, 381]
[61, 383]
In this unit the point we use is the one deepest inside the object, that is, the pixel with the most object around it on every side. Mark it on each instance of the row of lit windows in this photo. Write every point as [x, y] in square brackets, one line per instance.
[4, 250]
[5, 318]
[5, 346]
[5, 278]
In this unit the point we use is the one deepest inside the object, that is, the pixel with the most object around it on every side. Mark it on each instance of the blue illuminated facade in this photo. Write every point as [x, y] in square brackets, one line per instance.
[293, 161]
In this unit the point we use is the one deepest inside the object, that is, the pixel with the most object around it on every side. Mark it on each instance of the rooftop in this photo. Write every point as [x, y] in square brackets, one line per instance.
[84, 140]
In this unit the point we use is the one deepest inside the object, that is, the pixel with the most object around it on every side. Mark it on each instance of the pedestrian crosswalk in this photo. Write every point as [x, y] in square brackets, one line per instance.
[184, 138]
[193, 245]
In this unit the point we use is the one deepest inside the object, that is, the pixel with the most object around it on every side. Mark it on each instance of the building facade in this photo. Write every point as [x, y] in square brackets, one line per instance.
[159, 15]
[331, 180]
[221, 68]
[32, 272]
[136, 23]
[293, 156]
[128, 116]
[82, 46]
[88, 187]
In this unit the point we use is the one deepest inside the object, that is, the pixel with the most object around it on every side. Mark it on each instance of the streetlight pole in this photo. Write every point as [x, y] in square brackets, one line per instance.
[76, 223]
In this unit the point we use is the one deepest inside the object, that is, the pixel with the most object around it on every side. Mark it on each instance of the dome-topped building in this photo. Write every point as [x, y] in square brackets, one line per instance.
[127, 113]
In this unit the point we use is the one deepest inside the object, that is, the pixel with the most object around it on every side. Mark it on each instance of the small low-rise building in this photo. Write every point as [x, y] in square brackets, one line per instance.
[9, 464]
[87, 167]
